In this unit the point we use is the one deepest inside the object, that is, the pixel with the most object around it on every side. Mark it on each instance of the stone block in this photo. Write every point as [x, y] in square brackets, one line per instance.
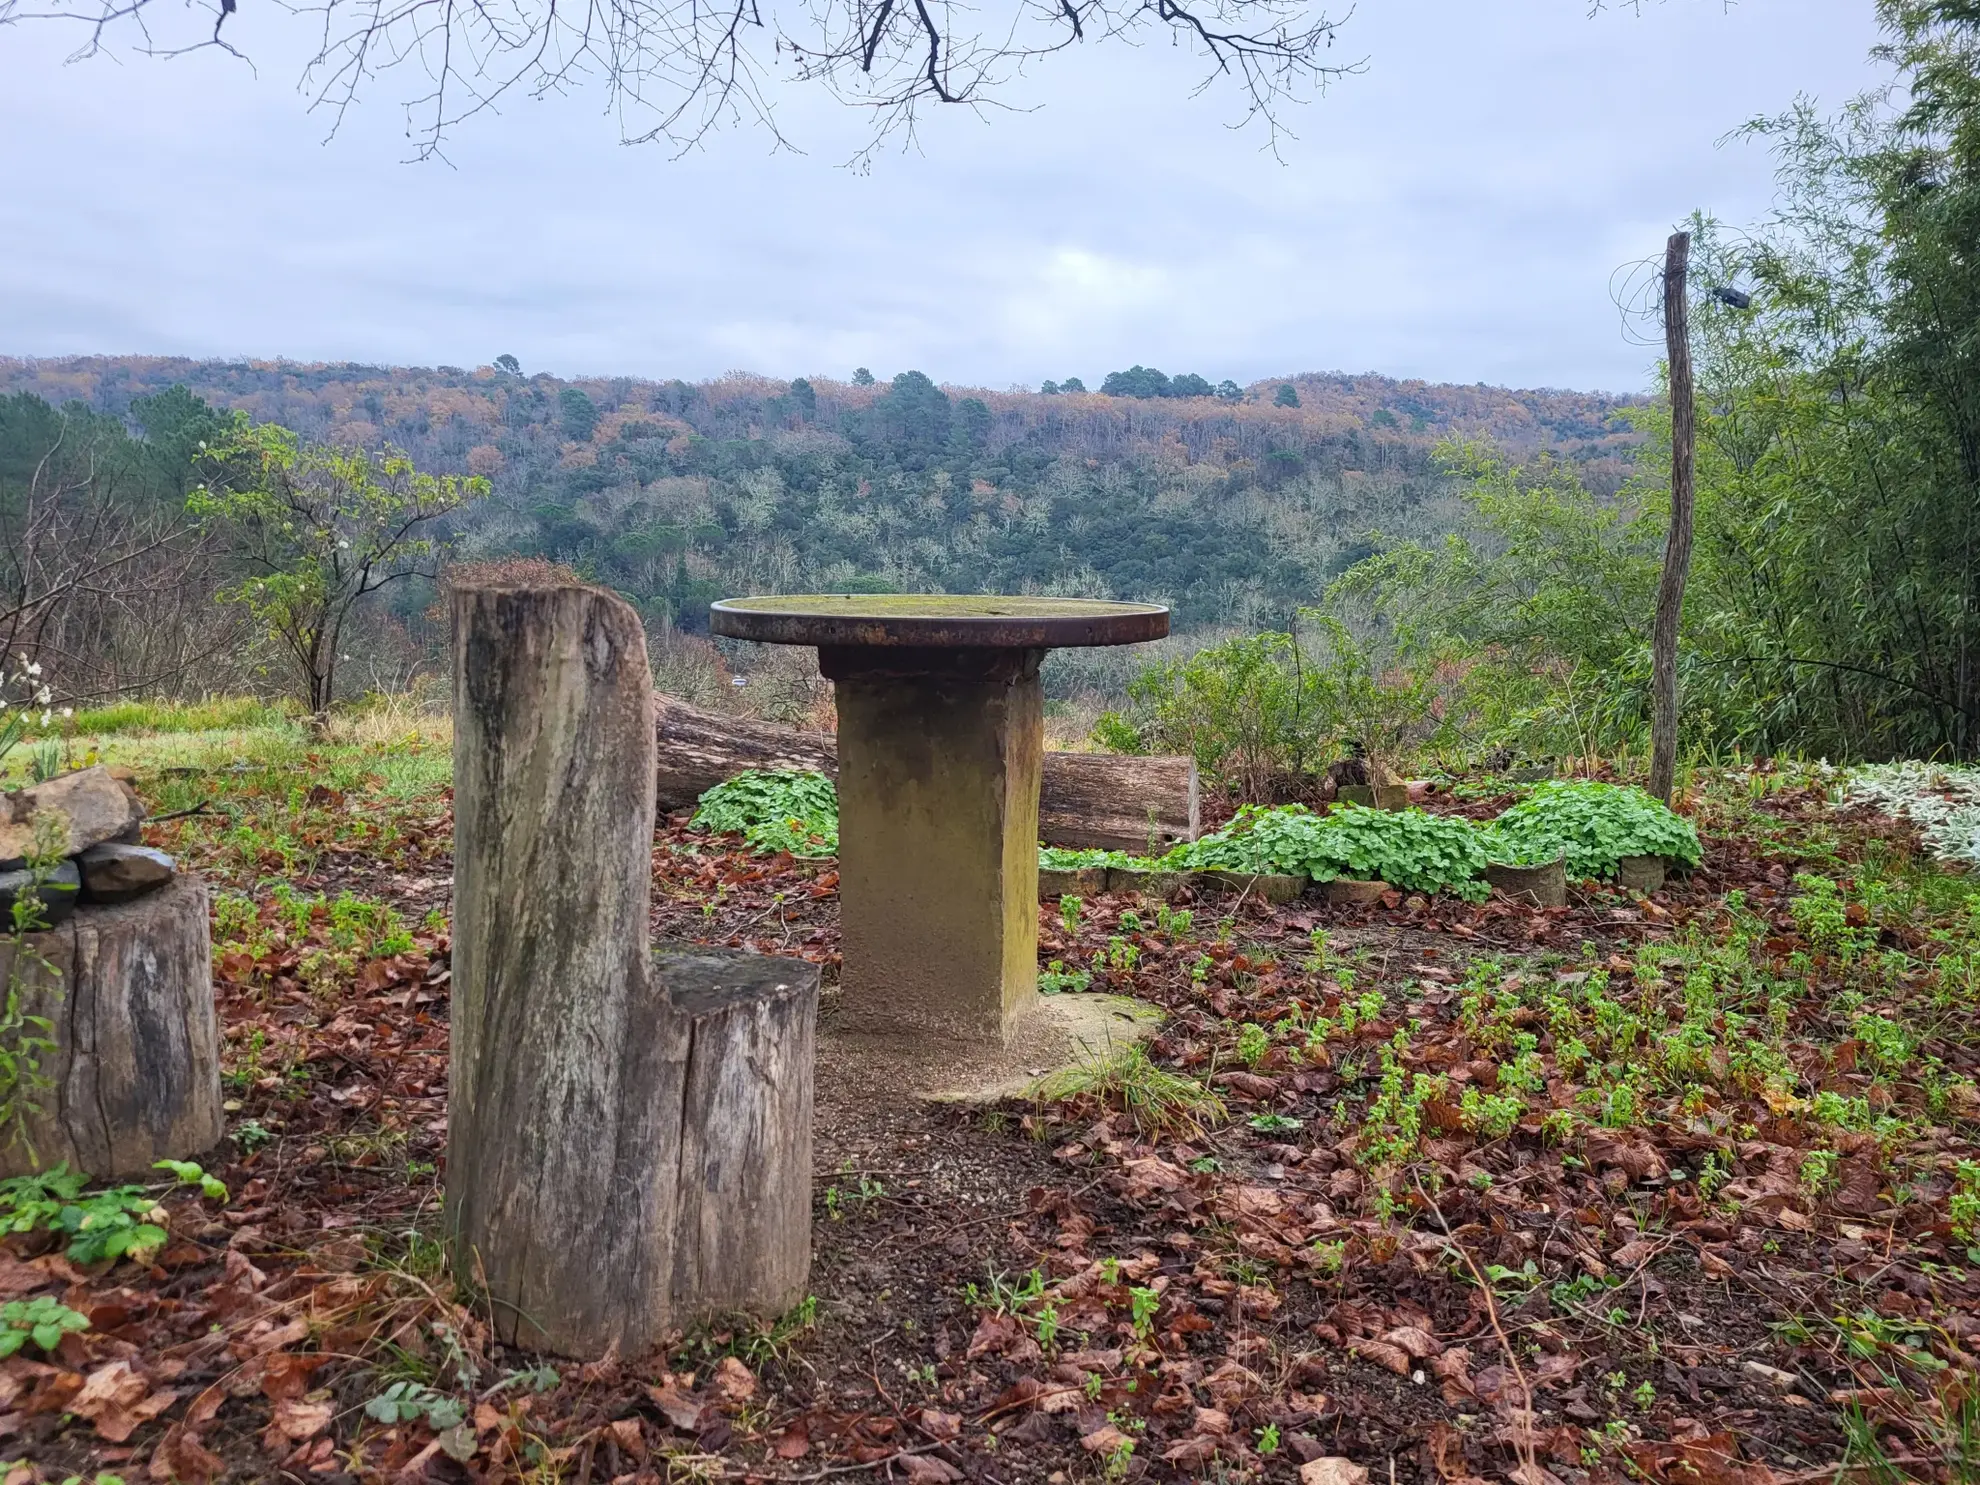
[93, 806]
[114, 872]
[1544, 885]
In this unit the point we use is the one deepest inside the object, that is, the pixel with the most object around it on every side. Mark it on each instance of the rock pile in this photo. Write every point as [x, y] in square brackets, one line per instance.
[97, 815]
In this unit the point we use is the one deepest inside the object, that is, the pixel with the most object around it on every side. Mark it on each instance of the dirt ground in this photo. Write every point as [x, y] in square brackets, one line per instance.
[1226, 1282]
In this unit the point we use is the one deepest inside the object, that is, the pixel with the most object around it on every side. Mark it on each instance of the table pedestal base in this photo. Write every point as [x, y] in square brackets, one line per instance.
[939, 755]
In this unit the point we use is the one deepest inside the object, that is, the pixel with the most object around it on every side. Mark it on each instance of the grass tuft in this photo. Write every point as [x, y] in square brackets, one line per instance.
[1160, 1103]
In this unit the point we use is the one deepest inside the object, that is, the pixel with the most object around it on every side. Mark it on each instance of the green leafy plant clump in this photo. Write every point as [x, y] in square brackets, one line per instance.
[1072, 858]
[1594, 825]
[775, 810]
[1409, 848]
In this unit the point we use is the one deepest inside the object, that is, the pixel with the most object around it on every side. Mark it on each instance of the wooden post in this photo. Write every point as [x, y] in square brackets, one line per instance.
[629, 1147]
[555, 1195]
[1677, 549]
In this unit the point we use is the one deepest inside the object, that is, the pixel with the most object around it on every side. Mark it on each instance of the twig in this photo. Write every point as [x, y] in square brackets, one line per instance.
[836, 1469]
[204, 807]
[1843, 1467]
[1523, 1428]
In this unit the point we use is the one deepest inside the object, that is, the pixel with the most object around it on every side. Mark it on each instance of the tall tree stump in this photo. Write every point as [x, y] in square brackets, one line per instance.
[586, 1084]
[135, 1071]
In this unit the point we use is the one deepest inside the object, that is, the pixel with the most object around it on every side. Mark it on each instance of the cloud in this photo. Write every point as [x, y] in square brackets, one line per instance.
[1454, 213]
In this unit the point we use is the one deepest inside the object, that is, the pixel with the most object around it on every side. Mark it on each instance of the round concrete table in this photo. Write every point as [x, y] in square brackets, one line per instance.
[941, 734]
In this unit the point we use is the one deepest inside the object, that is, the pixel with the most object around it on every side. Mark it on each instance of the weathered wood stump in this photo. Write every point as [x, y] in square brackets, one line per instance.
[1543, 885]
[1643, 874]
[628, 1143]
[136, 1064]
[742, 1028]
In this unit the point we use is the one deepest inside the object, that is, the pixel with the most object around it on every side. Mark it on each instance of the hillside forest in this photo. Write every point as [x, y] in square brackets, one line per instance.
[1354, 562]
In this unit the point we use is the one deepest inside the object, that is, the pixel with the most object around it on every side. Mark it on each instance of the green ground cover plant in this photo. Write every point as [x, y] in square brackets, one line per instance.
[1409, 848]
[775, 810]
[1592, 824]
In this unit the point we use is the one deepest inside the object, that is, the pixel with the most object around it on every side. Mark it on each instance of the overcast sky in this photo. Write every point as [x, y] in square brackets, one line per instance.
[1454, 213]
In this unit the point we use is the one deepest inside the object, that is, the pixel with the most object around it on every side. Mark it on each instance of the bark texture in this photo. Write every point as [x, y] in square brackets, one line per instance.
[557, 1119]
[742, 1029]
[136, 1066]
[1085, 799]
[621, 1135]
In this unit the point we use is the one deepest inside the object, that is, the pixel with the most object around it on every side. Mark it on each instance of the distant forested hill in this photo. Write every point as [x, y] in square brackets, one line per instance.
[1233, 509]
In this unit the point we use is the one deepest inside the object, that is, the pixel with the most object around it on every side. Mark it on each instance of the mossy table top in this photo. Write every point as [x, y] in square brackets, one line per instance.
[937, 621]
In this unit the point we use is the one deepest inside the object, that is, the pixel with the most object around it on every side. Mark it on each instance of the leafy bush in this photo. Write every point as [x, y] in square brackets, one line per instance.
[775, 810]
[1260, 713]
[1414, 850]
[1242, 709]
[1594, 825]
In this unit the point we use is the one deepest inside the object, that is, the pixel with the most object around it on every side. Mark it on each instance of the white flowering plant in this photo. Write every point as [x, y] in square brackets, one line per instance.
[26, 700]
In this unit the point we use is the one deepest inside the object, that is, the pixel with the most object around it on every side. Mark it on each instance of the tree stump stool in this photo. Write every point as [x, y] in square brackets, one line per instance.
[629, 1137]
[135, 1070]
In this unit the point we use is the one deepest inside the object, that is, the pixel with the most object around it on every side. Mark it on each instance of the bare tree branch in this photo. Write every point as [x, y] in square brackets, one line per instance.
[675, 70]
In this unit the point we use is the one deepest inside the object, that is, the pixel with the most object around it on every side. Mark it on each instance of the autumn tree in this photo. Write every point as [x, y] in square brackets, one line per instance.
[315, 531]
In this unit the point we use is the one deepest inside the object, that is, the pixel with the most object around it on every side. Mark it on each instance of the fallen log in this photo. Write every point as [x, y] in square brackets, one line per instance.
[1104, 800]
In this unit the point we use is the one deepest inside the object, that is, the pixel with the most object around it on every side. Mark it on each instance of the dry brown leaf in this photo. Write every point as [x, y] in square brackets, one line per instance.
[286, 1375]
[734, 1382]
[1417, 1341]
[676, 1407]
[113, 1399]
[629, 1436]
[1104, 1440]
[1635, 1252]
[1192, 1453]
[1332, 1470]
[926, 1469]
[181, 1459]
[1382, 1353]
[295, 1421]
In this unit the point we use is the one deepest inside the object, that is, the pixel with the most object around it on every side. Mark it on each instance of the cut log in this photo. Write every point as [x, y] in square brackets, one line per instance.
[1101, 800]
[608, 1116]
[1118, 803]
[134, 1076]
[742, 1028]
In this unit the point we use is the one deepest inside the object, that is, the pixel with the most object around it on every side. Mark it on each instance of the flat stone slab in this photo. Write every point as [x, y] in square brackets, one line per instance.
[1084, 881]
[114, 872]
[1543, 885]
[936, 621]
[1643, 874]
[1350, 893]
[1158, 884]
[868, 1067]
[58, 893]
